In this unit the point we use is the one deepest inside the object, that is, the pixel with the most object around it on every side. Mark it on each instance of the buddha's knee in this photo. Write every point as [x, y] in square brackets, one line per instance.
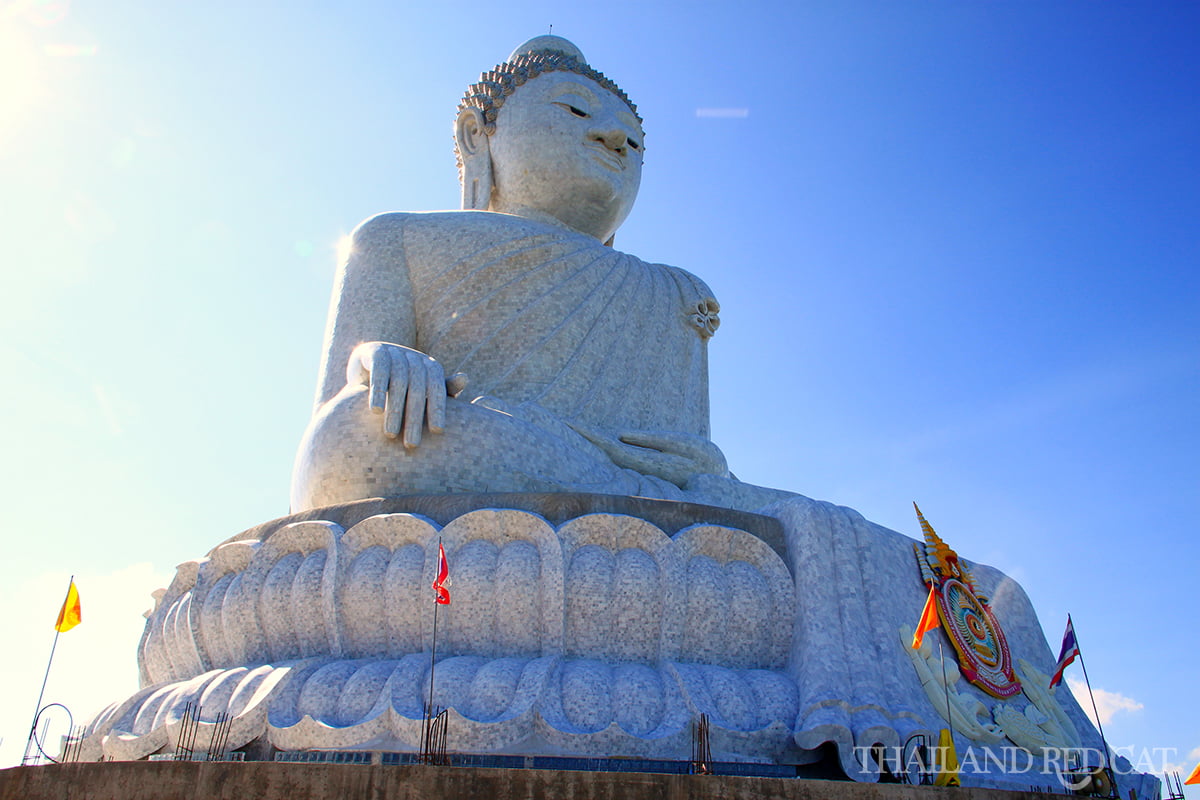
[345, 455]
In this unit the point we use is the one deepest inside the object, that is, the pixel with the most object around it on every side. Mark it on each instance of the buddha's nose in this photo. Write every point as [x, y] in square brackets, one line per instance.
[613, 138]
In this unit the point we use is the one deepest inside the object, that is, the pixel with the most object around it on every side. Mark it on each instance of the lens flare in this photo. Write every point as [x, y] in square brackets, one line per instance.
[42, 13]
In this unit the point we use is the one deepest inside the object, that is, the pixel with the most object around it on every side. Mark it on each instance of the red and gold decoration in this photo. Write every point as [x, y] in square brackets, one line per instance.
[974, 632]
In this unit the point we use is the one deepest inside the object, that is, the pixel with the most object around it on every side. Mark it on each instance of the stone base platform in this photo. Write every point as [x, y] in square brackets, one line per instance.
[581, 624]
[591, 626]
[169, 780]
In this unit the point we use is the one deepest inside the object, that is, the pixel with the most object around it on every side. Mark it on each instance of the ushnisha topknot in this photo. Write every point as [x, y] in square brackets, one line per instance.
[537, 56]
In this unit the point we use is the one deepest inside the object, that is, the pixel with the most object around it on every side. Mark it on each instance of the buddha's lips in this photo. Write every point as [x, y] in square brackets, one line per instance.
[607, 157]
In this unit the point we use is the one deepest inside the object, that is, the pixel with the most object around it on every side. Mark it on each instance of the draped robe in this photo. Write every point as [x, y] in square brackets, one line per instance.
[564, 342]
[540, 315]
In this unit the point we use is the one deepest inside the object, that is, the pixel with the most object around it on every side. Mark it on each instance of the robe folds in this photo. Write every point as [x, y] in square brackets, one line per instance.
[568, 346]
[590, 334]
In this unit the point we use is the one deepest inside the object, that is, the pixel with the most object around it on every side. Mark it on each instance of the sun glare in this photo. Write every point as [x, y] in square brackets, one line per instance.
[345, 246]
[20, 76]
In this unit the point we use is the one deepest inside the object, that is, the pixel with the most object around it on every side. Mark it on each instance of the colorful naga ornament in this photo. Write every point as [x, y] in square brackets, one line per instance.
[983, 656]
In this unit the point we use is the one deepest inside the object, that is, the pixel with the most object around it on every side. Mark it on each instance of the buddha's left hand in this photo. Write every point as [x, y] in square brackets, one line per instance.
[672, 456]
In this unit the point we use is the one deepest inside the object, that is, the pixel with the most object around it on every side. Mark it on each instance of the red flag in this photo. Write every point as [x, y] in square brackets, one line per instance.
[1068, 653]
[929, 617]
[443, 578]
[71, 613]
[1194, 778]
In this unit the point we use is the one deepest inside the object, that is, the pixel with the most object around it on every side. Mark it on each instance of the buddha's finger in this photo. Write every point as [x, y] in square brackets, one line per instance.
[396, 388]
[666, 466]
[435, 404]
[381, 376]
[651, 441]
[357, 373]
[414, 405]
[703, 453]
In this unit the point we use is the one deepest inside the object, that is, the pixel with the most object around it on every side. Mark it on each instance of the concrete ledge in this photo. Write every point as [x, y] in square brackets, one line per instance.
[174, 780]
[557, 507]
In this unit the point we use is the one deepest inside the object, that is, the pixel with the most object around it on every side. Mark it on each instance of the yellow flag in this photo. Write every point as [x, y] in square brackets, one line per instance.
[71, 613]
[1194, 777]
[947, 761]
[929, 617]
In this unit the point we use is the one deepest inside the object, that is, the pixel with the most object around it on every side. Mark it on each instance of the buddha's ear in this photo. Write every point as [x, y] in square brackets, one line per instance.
[471, 137]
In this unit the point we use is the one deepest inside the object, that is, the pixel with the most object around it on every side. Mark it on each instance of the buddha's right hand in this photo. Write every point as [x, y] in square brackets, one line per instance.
[673, 456]
[408, 387]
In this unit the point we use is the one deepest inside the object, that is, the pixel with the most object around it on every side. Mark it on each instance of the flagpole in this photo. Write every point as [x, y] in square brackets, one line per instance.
[946, 686]
[1103, 741]
[45, 679]
[433, 654]
[432, 662]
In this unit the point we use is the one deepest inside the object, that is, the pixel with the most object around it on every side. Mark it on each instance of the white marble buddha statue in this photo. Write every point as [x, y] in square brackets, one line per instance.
[573, 367]
[507, 347]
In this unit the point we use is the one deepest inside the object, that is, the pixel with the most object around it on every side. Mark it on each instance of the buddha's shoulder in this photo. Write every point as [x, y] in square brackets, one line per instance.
[439, 233]
[690, 286]
[450, 224]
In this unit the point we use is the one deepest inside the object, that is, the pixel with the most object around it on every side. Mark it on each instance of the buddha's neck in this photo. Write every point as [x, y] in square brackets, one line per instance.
[537, 215]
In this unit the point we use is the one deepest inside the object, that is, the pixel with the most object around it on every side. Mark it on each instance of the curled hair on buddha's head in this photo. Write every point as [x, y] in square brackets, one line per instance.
[536, 57]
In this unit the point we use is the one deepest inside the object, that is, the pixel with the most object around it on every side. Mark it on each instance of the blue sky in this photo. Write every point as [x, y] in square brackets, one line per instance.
[956, 248]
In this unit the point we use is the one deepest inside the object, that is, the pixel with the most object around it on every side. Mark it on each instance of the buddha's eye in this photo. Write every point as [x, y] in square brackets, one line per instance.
[579, 112]
[634, 143]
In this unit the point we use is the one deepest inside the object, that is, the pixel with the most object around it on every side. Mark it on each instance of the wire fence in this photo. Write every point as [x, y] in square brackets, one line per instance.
[556, 763]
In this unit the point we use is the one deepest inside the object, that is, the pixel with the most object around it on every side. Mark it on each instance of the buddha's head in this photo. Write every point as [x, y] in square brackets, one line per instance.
[545, 136]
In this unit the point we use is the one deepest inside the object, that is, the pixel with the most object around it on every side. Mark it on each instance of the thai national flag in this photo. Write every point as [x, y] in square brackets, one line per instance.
[1068, 653]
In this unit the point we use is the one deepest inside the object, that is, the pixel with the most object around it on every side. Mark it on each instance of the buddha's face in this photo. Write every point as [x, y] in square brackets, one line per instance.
[566, 147]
